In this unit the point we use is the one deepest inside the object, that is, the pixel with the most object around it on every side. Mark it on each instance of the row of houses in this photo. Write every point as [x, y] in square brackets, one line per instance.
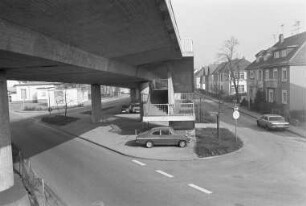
[274, 82]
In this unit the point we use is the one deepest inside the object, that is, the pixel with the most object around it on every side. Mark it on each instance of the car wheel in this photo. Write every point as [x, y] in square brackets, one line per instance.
[149, 144]
[182, 143]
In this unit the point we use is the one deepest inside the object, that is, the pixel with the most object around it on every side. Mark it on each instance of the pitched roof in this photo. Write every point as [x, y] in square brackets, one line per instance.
[204, 70]
[237, 64]
[295, 57]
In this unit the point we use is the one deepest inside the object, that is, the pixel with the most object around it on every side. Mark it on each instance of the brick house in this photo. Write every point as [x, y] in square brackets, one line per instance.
[279, 72]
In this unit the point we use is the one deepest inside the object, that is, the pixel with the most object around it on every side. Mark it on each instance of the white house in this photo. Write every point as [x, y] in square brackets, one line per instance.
[52, 94]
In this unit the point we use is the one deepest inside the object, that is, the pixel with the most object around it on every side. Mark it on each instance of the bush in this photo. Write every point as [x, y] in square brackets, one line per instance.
[244, 103]
[299, 115]
[34, 108]
[208, 144]
[59, 120]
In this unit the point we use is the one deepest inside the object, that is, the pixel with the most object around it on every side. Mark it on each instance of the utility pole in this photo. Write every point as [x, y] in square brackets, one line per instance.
[218, 117]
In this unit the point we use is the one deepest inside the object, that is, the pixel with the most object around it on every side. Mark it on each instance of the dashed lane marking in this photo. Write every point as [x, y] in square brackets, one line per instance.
[139, 163]
[200, 188]
[164, 173]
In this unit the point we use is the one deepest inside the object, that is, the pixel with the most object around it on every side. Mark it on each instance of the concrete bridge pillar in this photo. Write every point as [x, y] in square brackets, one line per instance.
[6, 161]
[135, 95]
[96, 105]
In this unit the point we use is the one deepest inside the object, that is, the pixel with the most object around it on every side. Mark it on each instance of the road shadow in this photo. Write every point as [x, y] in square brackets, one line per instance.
[35, 137]
[132, 143]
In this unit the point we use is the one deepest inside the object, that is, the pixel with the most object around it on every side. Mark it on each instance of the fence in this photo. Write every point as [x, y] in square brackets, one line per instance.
[40, 194]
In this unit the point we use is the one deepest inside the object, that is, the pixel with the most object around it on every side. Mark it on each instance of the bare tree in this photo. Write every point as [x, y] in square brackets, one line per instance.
[64, 98]
[229, 54]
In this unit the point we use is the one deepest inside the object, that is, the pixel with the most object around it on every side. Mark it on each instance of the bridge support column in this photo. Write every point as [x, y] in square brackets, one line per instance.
[171, 100]
[6, 161]
[96, 105]
[135, 95]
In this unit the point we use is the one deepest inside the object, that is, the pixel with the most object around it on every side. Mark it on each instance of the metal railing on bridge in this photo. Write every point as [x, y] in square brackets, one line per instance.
[177, 109]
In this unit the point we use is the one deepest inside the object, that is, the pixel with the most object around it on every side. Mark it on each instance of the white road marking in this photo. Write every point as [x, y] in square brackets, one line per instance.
[164, 173]
[138, 162]
[200, 188]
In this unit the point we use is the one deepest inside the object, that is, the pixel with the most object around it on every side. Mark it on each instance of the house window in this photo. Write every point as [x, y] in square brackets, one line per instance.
[275, 74]
[241, 89]
[284, 96]
[284, 74]
[284, 53]
[241, 75]
[236, 75]
[267, 77]
[276, 54]
[251, 75]
[270, 95]
[232, 90]
[260, 75]
[23, 94]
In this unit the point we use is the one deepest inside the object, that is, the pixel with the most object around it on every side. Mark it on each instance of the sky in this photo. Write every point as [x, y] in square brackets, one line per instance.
[255, 23]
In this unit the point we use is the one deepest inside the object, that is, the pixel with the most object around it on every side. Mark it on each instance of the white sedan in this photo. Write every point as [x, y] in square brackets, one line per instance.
[272, 121]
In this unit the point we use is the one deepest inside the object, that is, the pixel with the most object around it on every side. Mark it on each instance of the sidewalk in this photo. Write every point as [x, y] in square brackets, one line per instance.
[16, 195]
[301, 131]
[117, 133]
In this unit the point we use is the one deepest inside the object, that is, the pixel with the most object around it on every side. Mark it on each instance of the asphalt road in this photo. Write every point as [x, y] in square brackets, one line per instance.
[269, 170]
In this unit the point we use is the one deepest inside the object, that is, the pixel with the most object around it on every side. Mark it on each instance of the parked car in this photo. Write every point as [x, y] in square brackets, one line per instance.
[125, 109]
[135, 108]
[162, 136]
[272, 121]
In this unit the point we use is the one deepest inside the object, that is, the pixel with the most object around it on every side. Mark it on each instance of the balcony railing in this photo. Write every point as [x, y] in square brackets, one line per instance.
[178, 109]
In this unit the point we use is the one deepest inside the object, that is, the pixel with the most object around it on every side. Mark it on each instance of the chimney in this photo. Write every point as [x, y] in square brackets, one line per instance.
[281, 38]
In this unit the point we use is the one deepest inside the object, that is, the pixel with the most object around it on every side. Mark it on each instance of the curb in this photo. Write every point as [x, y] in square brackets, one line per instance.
[133, 156]
[246, 113]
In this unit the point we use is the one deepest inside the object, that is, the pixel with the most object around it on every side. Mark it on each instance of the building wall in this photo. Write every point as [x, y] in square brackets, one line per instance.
[26, 93]
[297, 88]
[53, 97]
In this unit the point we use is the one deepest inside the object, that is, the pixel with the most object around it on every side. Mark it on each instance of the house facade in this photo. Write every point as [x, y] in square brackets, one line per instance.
[279, 73]
[51, 94]
[199, 76]
[221, 80]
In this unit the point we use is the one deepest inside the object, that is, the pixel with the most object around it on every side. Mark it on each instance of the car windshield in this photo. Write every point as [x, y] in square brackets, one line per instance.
[276, 119]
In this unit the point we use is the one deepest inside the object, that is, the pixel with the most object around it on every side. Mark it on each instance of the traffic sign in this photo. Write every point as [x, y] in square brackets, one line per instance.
[236, 114]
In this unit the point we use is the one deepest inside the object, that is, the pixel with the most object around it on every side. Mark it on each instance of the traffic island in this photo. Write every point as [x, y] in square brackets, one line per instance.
[59, 120]
[209, 144]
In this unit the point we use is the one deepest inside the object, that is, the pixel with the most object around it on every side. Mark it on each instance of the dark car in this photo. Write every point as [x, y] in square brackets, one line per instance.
[272, 121]
[162, 136]
[125, 109]
[135, 108]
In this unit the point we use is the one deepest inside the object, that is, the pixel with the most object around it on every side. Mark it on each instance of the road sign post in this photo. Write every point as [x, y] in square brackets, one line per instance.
[236, 116]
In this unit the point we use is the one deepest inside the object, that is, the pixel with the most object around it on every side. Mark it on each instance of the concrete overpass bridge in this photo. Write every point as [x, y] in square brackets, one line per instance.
[118, 43]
